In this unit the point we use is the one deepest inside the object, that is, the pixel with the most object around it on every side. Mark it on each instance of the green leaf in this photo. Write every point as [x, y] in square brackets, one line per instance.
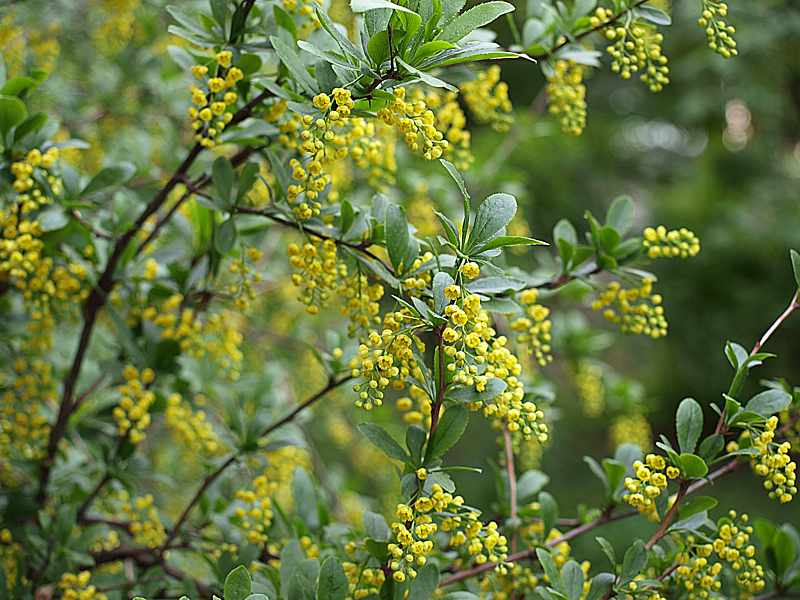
[693, 466]
[291, 557]
[615, 473]
[769, 402]
[608, 550]
[494, 213]
[375, 527]
[689, 424]
[225, 236]
[305, 498]
[694, 505]
[501, 241]
[784, 549]
[284, 20]
[495, 285]
[620, 214]
[548, 511]
[113, 176]
[294, 65]
[711, 446]
[478, 16]
[359, 6]
[12, 113]
[430, 48]
[425, 583]
[456, 175]
[415, 441]
[601, 584]
[572, 580]
[654, 15]
[378, 47]
[634, 561]
[440, 281]
[531, 483]
[549, 566]
[30, 125]
[399, 244]
[237, 584]
[332, 583]
[795, 266]
[381, 439]
[451, 427]
[223, 177]
[737, 355]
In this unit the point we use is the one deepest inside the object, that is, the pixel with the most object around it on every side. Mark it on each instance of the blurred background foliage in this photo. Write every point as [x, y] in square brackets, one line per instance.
[718, 152]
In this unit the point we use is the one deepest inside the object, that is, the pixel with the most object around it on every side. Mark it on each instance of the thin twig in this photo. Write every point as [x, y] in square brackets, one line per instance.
[214, 475]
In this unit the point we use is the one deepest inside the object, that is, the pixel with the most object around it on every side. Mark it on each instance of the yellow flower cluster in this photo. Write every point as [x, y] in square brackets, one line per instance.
[415, 527]
[255, 516]
[520, 579]
[316, 272]
[567, 95]
[10, 554]
[478, 355]
[22, 259]
[718, 32]
[631, 427]
[131, 414]
[699, 574]
[384, 358]
[363, 582]
[304, 10]
[247, 277]
[589, 381]
[24, 429]
[636, 310]
[210, 111]
[75, 586]
[116, 28]
[191, 427]
[774, 463]
[416, 407]
[145, 524]
[651, 478]
[452, 122]
[533, 330]
[322, 141]
[660, 242]
[733, 545]
[487, 99]
[360, 302]
[217, 337]
[636, 49]
[416, 122]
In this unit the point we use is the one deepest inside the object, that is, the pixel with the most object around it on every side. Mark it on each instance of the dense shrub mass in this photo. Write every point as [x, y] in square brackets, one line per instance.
[249, 319]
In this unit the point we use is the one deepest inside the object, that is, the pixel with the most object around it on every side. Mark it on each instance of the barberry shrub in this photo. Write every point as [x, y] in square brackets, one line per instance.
[155, 428]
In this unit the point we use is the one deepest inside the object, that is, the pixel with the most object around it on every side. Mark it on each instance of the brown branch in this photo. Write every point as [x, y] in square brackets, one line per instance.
[362, 247]
[99, 294]
[87, 503]
[512, 484]
[588, 32]
[214, 475]
[668, 518]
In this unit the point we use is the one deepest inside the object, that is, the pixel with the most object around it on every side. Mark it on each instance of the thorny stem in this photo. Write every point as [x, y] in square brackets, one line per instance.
[512, 484]
[667, 520]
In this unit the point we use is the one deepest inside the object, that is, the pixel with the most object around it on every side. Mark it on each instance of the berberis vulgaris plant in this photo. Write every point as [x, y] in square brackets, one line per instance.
[150, 447]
